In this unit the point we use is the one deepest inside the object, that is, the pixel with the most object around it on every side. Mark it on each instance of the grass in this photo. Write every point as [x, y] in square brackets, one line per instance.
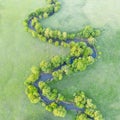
[19, 51]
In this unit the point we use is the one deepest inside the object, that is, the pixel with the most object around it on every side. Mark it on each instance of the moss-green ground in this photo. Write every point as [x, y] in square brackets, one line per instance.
[19, 51]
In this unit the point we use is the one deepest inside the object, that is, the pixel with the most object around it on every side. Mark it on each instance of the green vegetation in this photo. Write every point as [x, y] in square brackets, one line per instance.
[32, 93]
[19, 51]
[80, 54]
[58, 111]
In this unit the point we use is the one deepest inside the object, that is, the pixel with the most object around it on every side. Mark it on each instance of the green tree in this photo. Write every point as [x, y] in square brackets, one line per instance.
[82, 117]
[56, 43]
[45, 66]
[64, 35]
[59, 111]
[32, 94]
[45, 15]
[56, 61]
[34, 34]
[87, 52]
[91, 40]
[80, 99]
[50, 41]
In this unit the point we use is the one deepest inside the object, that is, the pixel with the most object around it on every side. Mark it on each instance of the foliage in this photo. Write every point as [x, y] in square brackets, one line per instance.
[45, 66]
[56, 61]
[82, 117]
[59, 111]
[91, 40]
[88, 32]
[87, 52]
[79, 65]
[57, 75]
[32, 94]
[45, 15]
[51, 94]
[33, 76]
[80, 99]
[79, 57]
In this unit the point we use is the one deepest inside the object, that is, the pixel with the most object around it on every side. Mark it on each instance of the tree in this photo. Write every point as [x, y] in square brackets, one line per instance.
[90, 60]
[71, 36]
[45, 66]
[41, 84]
[46, 33]
[35, 70]
[38, 27]
[56, 61]
[89, 104]
[49, 1]
[59, 111]
[64, 44]
[64, 34]
[45, 15]
[34, 34]
[66, 69]
[44, 39]
[60, 97]
[82, 117]
[80, 99]
[32, 94]
[91, 40]
[87, 52]
[55, 34]
[50, 41]
[59, 35]
[57, 74]
[56, 43]
[75, 49]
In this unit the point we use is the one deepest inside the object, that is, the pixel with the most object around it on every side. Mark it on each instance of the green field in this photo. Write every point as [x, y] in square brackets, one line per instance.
[19, 51]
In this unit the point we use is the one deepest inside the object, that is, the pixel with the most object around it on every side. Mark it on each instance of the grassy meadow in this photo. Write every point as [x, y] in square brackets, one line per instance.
[19, 51]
